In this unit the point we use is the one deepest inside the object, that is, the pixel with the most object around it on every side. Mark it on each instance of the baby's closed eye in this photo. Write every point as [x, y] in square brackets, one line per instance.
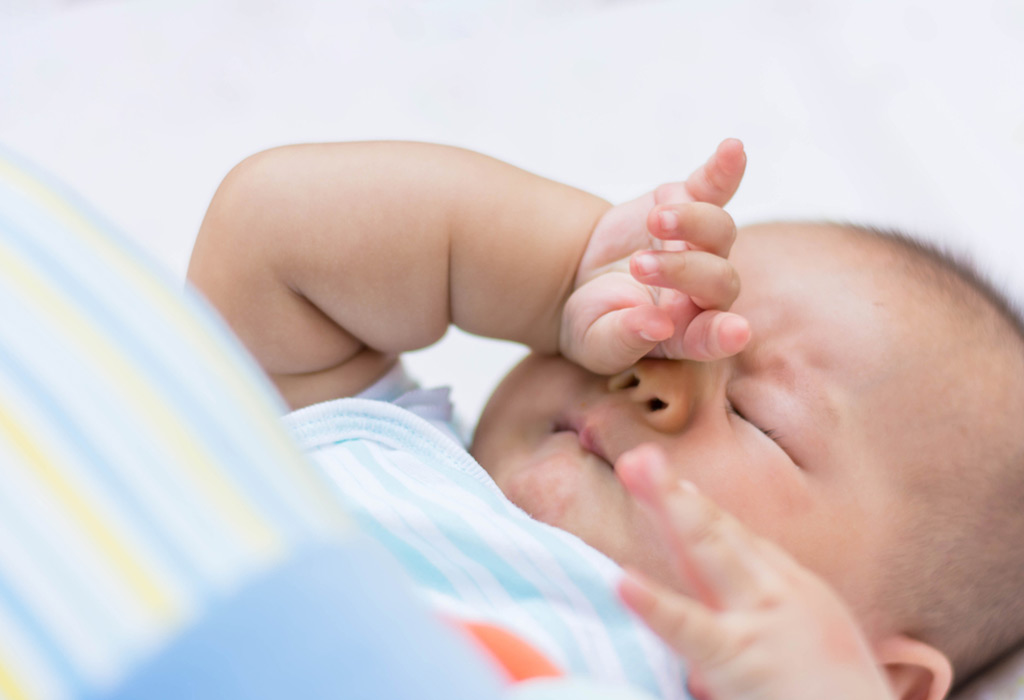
[772, 433]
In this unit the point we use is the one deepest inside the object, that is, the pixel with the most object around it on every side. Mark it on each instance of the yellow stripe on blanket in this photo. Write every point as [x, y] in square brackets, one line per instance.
[156, 598]
[325, 517]
[10, 687]
[222, 497]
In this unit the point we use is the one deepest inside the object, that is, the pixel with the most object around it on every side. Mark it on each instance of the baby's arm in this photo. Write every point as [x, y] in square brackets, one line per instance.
[758, 625]
[330, 259]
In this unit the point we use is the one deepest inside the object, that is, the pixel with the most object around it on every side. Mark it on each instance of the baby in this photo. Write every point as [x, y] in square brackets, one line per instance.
[845, 429]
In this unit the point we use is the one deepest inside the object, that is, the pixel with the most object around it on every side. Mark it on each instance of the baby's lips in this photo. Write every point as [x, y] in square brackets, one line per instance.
[590, 443]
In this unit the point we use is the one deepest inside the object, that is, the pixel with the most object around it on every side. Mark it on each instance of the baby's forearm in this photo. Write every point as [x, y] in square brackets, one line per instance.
[317, 253]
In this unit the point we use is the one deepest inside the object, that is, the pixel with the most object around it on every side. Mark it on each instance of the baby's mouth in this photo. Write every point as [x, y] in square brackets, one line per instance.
[586, 436]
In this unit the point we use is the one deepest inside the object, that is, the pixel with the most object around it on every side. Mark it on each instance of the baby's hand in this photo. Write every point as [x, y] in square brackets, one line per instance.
[759, 625]
[622, 311]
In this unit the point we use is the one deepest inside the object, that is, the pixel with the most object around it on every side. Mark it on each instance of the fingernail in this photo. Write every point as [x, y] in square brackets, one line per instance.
[669, 220]
[688, 486]
[646, 263]
[733, 334]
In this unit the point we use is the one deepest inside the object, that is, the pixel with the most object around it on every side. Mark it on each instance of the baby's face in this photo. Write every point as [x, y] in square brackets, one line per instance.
[824, 391]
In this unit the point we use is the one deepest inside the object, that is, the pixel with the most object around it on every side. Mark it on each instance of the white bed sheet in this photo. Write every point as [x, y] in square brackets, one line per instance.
[903, 113]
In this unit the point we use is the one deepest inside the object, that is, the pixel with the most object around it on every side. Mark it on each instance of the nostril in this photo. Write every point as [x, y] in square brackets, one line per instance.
[656, 404]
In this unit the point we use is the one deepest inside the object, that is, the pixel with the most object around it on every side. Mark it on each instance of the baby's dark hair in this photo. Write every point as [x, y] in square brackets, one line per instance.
[954, 580]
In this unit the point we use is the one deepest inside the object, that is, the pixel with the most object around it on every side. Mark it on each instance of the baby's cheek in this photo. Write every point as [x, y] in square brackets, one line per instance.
[549, 490]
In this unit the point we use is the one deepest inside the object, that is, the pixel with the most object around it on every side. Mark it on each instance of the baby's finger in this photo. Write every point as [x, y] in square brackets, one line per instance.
[619, 338]
[714, 182]
[688, 627]
[719, 557]
[720, 177]
[713, 335]
[710, 280]
[703, 226]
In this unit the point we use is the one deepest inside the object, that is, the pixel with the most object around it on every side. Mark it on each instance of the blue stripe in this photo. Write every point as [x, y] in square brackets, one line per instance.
[588, 582]
[622, 629]
[229, 350]
[43, 643]
[150, 363]
[46, 182]
[397, 428]
[414, 562]
[517, 586]
[96, 464]
[90, 609]
[50, 555]
[621, 626]
[74, 391]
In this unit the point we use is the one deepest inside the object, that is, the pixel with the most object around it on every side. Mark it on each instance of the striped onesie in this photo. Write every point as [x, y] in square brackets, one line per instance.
[403, 474]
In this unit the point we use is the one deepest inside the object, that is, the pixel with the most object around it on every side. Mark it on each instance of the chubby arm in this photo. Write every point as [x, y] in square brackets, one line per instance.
[328, 260]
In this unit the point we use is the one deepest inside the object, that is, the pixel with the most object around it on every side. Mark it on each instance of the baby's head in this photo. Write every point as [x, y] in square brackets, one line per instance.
[872, 427]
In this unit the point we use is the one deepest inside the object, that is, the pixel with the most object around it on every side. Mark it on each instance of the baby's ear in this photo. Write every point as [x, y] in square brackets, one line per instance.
[916, 671]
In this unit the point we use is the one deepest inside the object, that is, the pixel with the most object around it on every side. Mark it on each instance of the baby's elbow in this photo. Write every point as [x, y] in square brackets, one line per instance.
[233, 233]
[250, 185]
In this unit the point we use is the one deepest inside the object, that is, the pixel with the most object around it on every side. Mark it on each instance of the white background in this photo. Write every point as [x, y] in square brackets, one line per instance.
[906, 113]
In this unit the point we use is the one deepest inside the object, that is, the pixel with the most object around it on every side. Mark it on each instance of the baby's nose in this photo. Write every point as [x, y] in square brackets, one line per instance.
[663, 389]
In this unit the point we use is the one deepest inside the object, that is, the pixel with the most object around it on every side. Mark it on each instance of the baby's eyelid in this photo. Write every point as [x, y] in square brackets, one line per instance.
[730, 407]
[769, 432]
